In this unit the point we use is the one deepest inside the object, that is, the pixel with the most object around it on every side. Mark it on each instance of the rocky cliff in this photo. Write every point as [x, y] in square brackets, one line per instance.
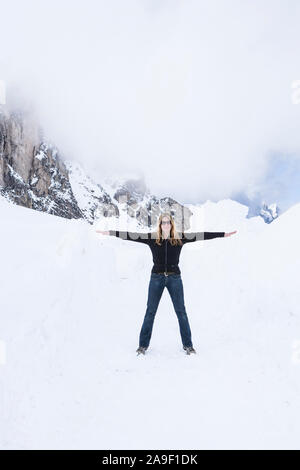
[32, 173]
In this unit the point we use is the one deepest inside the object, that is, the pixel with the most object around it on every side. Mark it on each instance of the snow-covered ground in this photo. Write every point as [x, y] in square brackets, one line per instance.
[72, 304]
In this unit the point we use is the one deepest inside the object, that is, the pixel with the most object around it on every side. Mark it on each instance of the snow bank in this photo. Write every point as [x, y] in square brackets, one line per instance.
[72, 304]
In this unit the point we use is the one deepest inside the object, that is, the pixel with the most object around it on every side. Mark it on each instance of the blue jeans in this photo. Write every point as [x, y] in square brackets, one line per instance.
[173, 283]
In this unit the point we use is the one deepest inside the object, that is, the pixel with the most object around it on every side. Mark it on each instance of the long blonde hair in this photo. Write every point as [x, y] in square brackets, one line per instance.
[174, 237]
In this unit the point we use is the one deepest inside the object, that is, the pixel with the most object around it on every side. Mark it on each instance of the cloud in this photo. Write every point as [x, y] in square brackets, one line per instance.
[195, 95]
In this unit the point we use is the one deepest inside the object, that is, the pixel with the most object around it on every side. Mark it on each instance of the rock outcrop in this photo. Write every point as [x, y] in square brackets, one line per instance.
[32, 173]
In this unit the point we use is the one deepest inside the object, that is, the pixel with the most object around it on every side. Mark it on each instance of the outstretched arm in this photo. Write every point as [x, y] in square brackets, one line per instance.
[195, 236]
[140, 237]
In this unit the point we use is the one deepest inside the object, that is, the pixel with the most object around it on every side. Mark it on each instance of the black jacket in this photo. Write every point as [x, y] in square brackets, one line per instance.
[166, 256]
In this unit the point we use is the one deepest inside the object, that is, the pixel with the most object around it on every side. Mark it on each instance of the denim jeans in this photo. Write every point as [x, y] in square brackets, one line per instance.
[173, 283]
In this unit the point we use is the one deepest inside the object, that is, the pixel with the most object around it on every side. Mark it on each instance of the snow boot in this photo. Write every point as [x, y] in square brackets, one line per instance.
[141, 350]
[189, 349]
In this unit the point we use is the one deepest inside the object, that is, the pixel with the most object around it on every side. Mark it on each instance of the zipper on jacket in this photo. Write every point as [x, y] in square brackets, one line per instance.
[166, 240]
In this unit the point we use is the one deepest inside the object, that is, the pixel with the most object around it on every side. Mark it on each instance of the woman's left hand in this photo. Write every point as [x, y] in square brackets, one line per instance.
[229, 233]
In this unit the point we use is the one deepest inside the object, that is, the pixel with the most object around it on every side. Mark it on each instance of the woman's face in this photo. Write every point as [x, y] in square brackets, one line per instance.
[166, 225]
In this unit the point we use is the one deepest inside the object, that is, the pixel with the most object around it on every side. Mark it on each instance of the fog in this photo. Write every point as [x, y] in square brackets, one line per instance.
[196, 96]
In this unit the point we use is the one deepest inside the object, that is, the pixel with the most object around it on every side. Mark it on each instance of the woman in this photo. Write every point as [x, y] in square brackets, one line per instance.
[166, 244]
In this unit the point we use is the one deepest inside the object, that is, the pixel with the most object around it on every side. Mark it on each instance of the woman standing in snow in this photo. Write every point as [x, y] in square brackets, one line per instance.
[166, 244]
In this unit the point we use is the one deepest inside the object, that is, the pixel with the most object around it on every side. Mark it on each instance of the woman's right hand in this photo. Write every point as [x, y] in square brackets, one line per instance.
[103, 232]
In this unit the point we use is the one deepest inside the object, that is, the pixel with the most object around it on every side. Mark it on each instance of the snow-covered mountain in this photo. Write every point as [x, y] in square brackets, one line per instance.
[34, 174]
[257, 206]
[72, 304]
[269, 212]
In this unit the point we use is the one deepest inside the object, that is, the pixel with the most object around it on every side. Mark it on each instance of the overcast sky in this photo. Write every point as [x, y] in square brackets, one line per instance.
[194, 95]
